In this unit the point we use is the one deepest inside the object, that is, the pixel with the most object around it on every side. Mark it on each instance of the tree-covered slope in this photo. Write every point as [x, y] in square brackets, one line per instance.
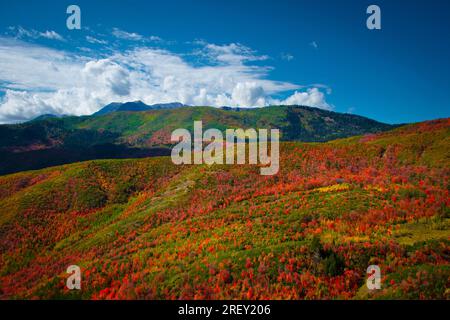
[149, 229]
[297, 123]
[53, 141]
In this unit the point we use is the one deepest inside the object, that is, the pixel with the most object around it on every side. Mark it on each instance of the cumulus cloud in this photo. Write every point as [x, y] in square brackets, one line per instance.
[312, 97]
[248, 94]
[38, 80]
[105, 74]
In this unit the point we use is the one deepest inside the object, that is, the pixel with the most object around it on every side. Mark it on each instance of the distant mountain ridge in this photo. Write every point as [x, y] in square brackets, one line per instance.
[121, 129]
[136, 106]
[48, 116]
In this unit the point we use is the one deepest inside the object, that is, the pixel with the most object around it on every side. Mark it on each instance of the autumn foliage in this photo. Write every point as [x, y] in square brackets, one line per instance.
[148, 229]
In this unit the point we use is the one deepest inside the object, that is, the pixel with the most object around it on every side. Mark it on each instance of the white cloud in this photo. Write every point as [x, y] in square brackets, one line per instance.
[248, 94]
[314, 45]
[22, 33]
[36, 68]
[133, 36]
[127, 35]
[154, 38]
[39, 80]
[51, 35]
[95, 40]
[312, 97]
[107, 75]
[233, 53]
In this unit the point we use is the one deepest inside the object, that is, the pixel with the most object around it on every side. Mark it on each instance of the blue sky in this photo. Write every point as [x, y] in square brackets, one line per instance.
[243, 53]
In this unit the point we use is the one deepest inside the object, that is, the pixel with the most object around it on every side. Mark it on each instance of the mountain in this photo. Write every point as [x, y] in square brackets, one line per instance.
[148, 229]
[136, 106]
[53, 141]
[47, 116]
